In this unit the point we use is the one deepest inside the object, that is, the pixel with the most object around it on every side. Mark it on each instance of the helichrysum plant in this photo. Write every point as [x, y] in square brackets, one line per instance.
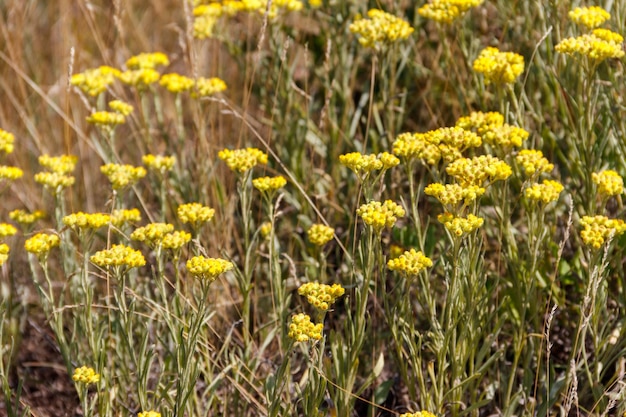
[499, 67]
[380, 28]
[447, 11]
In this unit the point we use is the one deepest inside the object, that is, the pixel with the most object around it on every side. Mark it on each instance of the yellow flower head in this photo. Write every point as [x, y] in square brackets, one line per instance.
[176, 83]
[242, 160]
[195, 214]
[447, 11]
[95, 81]
[123, 216]
[269, 184]
[360, 163]
[591, 17]
[140, 78]
[159, 163]
[320, 234]
[480, 122]
[609, 183]
[388, 160]
[208, 268]
[380, 215]
[452, 141]
[153, 233]
[301, 329]
[85, 375]
[6, 141]
[63, 164]
[321, 296]
[10, 173]
[4, 253]
[546, 192]
[598, 46]
[450, 195]
[119, 255]
[25, 218]
[147, 60]
[380, 28]
[411, 263]
[175, 240]
[533, 162]
[598, 229]
[460, 226]
[122, 176]
[149, 414]
[418, 414]
[479, 170]
[6, 230]
[54, 181]
[121, 107]
[499, 67]
[206, 87]
[412, 146]
[206, 16]
[41, 243]
[83, 221]
[106, 119]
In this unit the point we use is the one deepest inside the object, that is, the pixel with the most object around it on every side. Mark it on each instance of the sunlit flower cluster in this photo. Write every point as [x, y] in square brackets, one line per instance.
[446, 143]
[4, 253]
[7, 230]
[418, 414]
[446, 11]
[321, 296]
[600, 45]
[450, 195]
[140, 78]
[106, 118]
[25, 218]
[598, 229]
[479, 170]
[149, 414]
[533, 162]
[460, 226]
[82, 220]
[159, 163]
[546, 192]
[411, 262]
[380, 215]
[122, 176]
[119, 255]
[56, 178]
[175, 240]
[208, 268]
[176, 83]
[95, 81]
[380, 28]
[195, 214]
[269, 184]
[64, 164]
[121, 217]
[609, 183]
[492, 129]
[147, 60]
[41, 243]
[205, 18]
[206, 87]
[10, 173]
[121, 107]
[242, 160]
[499, 67]
[153, 233]
[6, 141]
[301, 329]
[481, 122]
[591, 17]
[320, 234]
[85, 375]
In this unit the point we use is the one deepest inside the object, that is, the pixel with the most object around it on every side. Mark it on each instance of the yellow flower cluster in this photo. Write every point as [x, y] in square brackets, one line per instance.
[242, 160]
[195, 214]
[41, 243]
[591, 17]
[206, 87]
[82, 220]
[478, 170]
[24, 218]
[7, 230]
[121, 107]
[6, 141]
[609, 183]
[418, 414]
[147, 60]
[208, 268]
[85, 375]
[106, 118]
[301, 329]
[176, 83]
[450, 195]
[122, 176]
[4, 253]
[492, 129]
[122, 216]
[63, 164]
[380, 28]
[364, 164]
[597, 229]
[546, 192]
[411, 262]
[149, 414]
[153, 233]
[175, 240]
[321, 296]
[460, 226]
[600, 45]
[499, 67]
[140, 78]
[533, 162]
[320, 234]
[10, 173]
[119, 255]
[446, 11]
[159, 162]
[205, 18]
[269, 184]
[447, 143]
[380, 215]
[95, 81]
[480, 122]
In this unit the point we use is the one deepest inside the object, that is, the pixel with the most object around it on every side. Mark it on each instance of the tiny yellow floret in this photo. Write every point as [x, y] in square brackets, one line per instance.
[85, 375]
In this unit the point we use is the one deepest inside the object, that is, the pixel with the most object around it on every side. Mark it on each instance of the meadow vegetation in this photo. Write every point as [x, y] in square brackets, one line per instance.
[315, 208]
